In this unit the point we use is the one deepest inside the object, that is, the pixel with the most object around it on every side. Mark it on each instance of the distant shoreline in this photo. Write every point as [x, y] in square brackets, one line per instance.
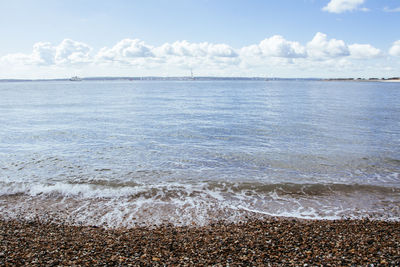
[390, 81]
[396, 79]
[160, 78]
[204, 78]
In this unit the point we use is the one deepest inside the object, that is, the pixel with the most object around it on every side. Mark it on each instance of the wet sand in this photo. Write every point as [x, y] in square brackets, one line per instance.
[259, 242]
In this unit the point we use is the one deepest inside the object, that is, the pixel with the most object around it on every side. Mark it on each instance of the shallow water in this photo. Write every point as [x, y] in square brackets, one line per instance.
[125, 153]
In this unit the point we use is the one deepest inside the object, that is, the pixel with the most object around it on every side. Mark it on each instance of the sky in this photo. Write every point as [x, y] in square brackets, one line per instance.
[247, 38]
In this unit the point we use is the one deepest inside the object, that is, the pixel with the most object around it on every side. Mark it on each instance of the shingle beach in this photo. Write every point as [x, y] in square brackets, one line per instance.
[268, 242]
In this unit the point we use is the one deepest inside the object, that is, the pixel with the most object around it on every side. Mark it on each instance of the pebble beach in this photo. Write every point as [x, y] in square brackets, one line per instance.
[269, 242]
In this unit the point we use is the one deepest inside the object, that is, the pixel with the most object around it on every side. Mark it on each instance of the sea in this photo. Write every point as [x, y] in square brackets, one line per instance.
[128, 153]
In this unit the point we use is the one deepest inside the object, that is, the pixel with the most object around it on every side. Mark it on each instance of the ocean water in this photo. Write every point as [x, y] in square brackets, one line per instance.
[124, 153]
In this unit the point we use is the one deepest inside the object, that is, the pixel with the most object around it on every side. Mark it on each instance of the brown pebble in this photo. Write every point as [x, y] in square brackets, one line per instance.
[256, 242]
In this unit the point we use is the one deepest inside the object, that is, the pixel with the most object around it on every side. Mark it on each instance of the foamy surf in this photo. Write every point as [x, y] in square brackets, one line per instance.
[121, 205]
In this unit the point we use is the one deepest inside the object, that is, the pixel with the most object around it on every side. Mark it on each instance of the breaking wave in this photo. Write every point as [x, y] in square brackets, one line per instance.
[113, 204]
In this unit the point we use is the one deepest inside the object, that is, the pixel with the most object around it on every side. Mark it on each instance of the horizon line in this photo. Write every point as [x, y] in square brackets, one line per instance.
[189, 78]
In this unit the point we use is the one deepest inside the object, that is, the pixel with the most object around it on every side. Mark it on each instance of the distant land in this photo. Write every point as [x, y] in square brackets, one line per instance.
[392, 79]
[159, 78]
[204, 78]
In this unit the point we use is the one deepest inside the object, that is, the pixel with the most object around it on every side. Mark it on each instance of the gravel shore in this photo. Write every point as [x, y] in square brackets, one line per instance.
[267, 242]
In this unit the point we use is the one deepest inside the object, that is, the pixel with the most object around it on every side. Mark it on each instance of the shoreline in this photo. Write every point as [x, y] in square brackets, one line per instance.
[361, 80]
[270, 241]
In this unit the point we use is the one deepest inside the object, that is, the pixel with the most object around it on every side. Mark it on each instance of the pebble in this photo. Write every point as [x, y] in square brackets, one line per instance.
[271, 242]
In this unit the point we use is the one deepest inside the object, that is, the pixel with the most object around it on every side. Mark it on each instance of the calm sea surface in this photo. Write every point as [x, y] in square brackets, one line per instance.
[191, 152]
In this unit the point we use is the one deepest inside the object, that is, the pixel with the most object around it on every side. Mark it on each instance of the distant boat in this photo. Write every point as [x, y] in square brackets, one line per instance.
[75, 79]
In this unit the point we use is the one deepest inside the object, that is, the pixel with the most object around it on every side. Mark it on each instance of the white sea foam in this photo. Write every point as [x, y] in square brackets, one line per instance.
[188, 204]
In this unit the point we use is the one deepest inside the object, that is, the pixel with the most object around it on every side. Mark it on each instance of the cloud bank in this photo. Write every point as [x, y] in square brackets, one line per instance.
[321, 56]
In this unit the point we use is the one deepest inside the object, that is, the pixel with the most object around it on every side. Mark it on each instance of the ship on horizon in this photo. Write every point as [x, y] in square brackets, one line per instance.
[75, 79]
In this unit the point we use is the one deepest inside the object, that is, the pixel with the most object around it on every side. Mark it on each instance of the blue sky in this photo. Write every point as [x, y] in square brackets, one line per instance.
[286, 38]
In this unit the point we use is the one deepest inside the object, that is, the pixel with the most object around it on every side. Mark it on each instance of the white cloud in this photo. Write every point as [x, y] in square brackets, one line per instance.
[180, 54]
[340, 6]
[16, 59]
[387, 9]
[320, 48]
[72, 52]
[275, 46]
[250, 51]
[45, 54]
[364, 51]
[201, 50]
[221, 50]
[125, 50]
[178, 48]
[395, 49]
